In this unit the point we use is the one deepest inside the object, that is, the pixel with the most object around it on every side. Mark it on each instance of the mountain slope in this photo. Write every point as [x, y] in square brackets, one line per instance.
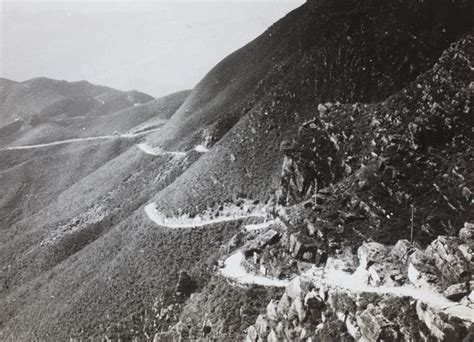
[347, 52]
[92, 264]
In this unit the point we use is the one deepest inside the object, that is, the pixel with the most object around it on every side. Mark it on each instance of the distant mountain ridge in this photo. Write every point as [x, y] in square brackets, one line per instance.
[43, 110]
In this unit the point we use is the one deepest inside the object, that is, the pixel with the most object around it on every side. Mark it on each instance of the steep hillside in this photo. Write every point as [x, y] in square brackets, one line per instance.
[347, 52]
[394, 170]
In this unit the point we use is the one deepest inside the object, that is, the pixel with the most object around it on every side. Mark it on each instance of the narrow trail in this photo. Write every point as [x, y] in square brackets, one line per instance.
[201, 149]
[234, 270]
[331, 275]
[78, 140]
[260, 226]
[189, 223]
[357, 283]
[155, 151]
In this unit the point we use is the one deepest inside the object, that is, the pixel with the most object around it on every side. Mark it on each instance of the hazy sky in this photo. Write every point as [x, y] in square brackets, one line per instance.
[157, 47]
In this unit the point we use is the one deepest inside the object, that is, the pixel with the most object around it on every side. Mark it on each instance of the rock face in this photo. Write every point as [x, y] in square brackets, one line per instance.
[297, 177]
[448, 259]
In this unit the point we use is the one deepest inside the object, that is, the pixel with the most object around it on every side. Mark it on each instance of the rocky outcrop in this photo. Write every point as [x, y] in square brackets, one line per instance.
[466, 234]
[375, 327]
[448, 259]
[381, 304]
[302, 247]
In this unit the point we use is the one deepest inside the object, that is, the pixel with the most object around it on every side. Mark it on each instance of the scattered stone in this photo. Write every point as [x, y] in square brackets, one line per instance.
[272, 336]
[302, 247]
[433, 321]
[311, 229]
[353, 328]
[421, 272]
[235, 242]
[467, 250]
[252, 333]
[295, 288]
[269, 237]
[312, 300]
[402, 250]
[457, 291]
[262, 326]
[283, 306]
[448, 259]
[280, 331]
[272, 311]
[371, 252]
[297, 310]
[291, 333]
[166, 336]
[322, 108]
[375, 327]
[466, 234]
[304, 334]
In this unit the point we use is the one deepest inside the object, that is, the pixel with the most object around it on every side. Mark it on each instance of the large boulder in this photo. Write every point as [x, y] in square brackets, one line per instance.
[422, 272]
[353, 328]
[252, 334]
[283, 306]
[272, 336]
[257, 245]
[280, 331]
[467, 251]
[297, 310]
[303, 247]
[402, 250]
[448, 259]
[466, 234]
[272, 311]
[457, 291]
[312, 300]
[433, 320]
[375, 327]
[292, 333]
[372, 252]
[262, 326]
[297, 288]
[268, 238]
[385, 274]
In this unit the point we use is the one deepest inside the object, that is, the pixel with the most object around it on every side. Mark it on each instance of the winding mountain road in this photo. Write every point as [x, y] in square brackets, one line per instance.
[357, 283]
[155, 151]
[234, 270]
[78, 140]
[189, 223]
[331, 275]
